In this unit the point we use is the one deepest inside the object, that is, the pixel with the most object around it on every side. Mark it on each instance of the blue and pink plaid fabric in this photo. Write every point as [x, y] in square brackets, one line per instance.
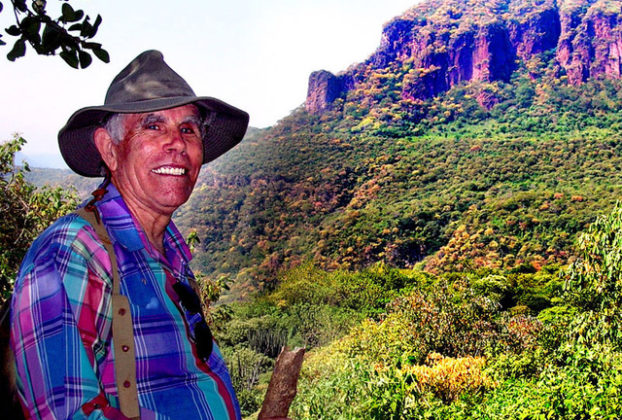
[61, 325]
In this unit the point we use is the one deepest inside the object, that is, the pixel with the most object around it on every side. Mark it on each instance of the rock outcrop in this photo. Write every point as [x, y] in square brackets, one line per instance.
[324, 88]
[591, 41]
[448, 42]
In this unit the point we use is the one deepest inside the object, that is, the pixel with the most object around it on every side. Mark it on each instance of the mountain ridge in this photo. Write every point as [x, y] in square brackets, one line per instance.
[448, 42]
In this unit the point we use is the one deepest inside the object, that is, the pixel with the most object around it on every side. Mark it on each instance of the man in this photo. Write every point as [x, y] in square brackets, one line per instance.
[149, 140]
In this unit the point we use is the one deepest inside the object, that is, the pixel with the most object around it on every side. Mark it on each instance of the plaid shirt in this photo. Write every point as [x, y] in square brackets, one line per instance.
[61, 325]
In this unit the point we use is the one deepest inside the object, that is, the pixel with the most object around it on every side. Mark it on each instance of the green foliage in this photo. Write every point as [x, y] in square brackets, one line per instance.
[587, 387]
[595, 280]
[451, 319]
[498, 201]
[488, 344]
[70, 34]
[505, 188]
[563, 364]
[309, 307]
[245, 367]
[374, 372]
[26, 211]
[366, 291]
[593, 284]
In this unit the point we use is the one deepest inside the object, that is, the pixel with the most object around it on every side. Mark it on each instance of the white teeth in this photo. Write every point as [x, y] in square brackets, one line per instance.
[167, 170]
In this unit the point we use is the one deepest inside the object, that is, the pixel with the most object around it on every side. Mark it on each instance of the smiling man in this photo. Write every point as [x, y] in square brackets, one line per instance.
[78, 354]
[155, 164]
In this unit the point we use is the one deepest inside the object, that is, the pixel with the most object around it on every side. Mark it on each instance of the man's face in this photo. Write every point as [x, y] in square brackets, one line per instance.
[157, 163]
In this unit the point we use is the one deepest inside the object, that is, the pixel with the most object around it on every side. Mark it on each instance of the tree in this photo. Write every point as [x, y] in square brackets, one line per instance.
[594, 282]
[70, 34]
[595, 279]
[26, 211]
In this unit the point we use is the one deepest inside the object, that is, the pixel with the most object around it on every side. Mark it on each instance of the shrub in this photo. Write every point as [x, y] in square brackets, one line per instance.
[245, 367]
[594, 283]
[26, 211]
[448, 378]
[595, 280]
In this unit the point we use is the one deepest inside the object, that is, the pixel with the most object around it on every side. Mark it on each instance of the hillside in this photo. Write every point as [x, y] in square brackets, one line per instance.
[62, 177]
[496, 171]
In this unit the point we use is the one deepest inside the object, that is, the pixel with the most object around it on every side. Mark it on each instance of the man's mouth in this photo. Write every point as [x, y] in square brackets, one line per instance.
[169, 170]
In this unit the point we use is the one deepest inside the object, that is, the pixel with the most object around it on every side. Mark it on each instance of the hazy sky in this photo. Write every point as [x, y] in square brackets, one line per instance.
[255, 54]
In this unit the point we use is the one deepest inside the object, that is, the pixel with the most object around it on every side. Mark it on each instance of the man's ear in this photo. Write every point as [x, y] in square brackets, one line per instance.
[106, 147]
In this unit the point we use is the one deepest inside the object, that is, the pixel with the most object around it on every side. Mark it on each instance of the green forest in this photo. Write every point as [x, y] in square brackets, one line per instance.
[470, 270]
[450, 257]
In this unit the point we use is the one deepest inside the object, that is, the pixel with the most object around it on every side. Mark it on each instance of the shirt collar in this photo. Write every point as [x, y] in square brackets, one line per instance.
[125, 230]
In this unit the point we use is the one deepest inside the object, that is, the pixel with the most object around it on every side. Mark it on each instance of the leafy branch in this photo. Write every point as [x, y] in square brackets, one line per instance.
[69, 35]
[26, 210]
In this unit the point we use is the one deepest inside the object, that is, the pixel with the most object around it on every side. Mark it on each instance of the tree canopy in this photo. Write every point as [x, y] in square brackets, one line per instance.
[26, 211]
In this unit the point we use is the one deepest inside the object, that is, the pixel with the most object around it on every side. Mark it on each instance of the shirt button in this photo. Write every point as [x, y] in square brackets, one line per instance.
[125, 348]
[126, 384]
[122, 311]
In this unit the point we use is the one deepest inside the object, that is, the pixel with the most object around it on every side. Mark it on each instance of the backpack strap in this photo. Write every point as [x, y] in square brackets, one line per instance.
[122, 330]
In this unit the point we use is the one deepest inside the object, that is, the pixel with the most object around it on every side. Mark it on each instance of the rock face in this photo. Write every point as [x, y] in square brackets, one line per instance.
[448, 42]
[324, 88]
[591, 43]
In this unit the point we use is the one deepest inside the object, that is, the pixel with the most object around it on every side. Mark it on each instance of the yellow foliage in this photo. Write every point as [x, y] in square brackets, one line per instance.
[449, 377]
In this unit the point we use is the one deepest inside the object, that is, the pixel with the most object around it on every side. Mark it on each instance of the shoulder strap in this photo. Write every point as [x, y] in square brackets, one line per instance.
[122, 330]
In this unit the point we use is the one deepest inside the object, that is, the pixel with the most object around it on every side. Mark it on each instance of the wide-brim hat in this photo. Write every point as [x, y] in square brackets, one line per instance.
[148, 84]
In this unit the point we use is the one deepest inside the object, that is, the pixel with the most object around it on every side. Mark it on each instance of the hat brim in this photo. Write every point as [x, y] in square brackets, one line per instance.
[227, 127]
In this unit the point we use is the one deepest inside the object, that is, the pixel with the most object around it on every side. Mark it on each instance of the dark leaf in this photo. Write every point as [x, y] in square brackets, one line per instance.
[13, 30]
[71, 58]
[91, 45]
[102, 54]
[87, 28]
[19, 49]
[31, 26]
[68, 13]
[20, 5]
[85, 59]
[75, 27]
[37, 47]
[1, 6]
[4, 43]
[98, 21]
[51, 39]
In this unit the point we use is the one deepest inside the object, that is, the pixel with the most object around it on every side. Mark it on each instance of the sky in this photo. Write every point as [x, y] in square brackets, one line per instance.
[254, 54]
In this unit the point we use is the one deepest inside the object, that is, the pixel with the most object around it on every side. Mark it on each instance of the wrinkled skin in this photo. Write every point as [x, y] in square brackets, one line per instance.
[156, 165]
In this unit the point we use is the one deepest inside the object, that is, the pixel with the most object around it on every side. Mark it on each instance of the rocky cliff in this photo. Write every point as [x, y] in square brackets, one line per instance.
[442, 43]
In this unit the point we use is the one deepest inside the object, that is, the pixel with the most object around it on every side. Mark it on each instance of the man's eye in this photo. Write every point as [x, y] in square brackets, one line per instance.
[153, 127]
[187, 130]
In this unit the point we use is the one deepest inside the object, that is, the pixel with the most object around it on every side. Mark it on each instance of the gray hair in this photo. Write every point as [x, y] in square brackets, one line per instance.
[115, 126]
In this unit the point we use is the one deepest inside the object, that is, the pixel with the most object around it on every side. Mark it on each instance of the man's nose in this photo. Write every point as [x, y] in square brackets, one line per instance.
[175, 141]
